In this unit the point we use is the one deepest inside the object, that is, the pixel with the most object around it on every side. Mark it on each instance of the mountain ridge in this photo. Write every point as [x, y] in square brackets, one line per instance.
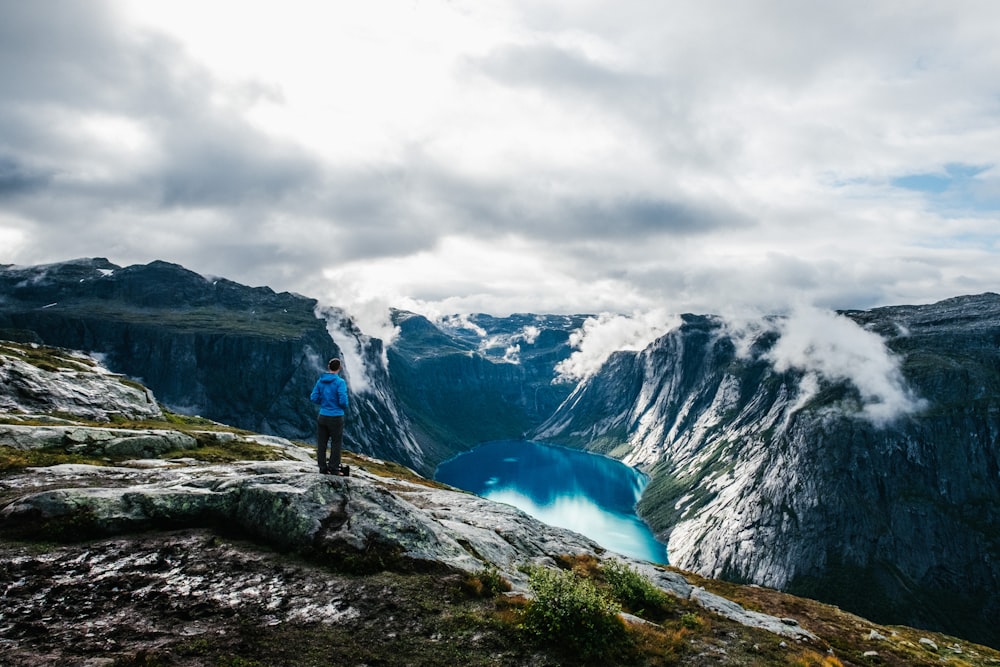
[769, 463]
[241, 355]
[226, 547]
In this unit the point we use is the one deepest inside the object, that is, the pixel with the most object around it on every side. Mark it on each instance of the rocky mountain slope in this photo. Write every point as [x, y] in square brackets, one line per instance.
[240, 355]
[882, 500]
[853, 458]
[248, 356]
[153, 539]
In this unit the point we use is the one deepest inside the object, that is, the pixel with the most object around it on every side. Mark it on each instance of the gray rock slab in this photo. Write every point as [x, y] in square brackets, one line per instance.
[289, 505]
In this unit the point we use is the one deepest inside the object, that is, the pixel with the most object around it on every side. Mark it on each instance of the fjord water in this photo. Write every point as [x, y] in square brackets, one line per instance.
[591, 494]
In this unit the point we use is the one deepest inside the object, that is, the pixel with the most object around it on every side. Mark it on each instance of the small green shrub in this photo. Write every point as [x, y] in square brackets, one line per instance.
[636, 593]
[486, 583]
[571, 612]
[692, 621]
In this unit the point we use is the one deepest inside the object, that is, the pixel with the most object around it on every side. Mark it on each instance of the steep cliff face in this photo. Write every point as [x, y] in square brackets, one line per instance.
[240, 355]
[139, 483]
[770, 473]
[377, 423]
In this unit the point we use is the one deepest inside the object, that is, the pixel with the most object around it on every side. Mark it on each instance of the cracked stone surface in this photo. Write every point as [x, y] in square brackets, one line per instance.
[284, 505]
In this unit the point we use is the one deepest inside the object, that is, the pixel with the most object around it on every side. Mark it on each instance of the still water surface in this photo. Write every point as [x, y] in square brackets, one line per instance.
[590, 494]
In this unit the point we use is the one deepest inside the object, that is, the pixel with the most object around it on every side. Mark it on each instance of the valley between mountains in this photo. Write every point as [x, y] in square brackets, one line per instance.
[852, 460]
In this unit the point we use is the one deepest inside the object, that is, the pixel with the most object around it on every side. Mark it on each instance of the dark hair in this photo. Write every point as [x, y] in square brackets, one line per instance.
[334, 364]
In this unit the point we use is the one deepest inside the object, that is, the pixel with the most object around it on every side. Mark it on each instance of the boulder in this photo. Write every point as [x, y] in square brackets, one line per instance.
[98, 442]
[37, 379]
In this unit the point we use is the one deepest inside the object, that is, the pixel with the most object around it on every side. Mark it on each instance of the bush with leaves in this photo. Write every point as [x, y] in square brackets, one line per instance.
[571, 611]
[636, 593]
[488, 582]
[692, 621]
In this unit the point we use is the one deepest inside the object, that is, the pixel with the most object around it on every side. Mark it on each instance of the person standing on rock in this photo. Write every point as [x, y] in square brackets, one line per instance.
[330, 393]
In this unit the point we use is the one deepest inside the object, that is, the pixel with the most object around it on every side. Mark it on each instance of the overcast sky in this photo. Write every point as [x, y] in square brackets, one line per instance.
[513, 155]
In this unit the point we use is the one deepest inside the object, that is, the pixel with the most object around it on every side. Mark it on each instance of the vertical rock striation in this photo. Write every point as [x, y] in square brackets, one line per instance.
[785, 479]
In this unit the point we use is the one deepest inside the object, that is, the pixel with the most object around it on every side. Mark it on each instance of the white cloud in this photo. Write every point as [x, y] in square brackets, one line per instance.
[11, 234]
[826, 345]
[511, 156]
[462, 321]
[510, 343]
[356, 365]
[600, 336]
[512, 355]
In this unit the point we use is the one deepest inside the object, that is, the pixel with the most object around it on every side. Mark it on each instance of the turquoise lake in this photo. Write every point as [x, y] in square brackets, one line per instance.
[591, 494]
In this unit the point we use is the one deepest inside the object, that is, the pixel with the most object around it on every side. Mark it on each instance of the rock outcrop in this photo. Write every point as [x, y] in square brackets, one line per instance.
[371, 521]
[38, 380]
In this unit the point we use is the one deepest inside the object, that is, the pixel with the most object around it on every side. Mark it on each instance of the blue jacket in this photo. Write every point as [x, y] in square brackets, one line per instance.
[330, 394]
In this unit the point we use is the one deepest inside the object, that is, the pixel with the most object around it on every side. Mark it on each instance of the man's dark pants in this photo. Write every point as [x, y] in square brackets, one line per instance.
[329, 429]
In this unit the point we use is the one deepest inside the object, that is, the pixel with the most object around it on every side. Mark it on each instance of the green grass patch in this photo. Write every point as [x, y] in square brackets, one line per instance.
[17, 459]
[227, 451]
[611, 443]
[636, 593]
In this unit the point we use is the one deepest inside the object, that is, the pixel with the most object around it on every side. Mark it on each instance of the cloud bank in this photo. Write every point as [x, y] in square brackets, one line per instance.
[512, 156]
[824, 345]
[358, 366]
[606, 333]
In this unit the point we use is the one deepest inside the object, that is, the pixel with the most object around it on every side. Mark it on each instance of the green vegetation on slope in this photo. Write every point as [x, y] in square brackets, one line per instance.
[265, 322]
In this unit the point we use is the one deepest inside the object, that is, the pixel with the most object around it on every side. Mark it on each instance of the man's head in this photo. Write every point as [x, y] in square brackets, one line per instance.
[334, 365]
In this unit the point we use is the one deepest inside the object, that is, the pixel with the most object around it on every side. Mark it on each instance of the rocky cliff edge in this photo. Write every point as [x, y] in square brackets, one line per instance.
[128, 544]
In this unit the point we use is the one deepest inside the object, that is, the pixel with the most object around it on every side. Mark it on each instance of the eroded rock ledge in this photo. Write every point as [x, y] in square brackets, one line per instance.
[368, 521]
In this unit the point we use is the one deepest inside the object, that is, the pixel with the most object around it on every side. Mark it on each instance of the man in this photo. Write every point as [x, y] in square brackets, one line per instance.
[330, 393]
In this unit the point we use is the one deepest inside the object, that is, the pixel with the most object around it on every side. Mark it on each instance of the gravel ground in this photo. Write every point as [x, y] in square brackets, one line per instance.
[192, 598]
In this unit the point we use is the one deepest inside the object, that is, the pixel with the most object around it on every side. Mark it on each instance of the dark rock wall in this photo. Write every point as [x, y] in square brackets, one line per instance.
[243, 356]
